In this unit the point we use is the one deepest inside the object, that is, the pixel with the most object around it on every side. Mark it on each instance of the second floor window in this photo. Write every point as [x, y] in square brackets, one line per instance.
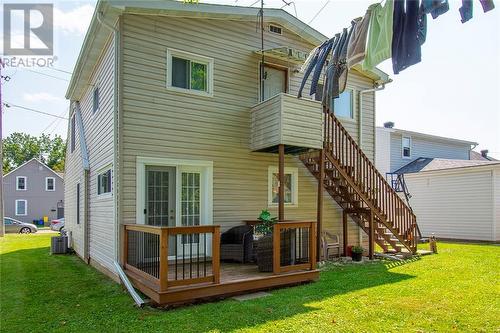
[406, 147]
[342, 105]
[50, 184]
[104, 182]
[189, 73]
[21, 183]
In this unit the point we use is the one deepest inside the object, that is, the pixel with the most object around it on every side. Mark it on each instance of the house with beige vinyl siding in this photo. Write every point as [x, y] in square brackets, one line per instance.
[186, 142]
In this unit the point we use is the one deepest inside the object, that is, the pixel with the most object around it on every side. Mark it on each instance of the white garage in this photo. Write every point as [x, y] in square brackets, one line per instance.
[456, 199]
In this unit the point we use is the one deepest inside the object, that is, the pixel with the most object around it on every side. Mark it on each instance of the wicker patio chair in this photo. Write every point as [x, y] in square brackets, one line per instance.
[265, 252]
[236, 244]
[329, 242]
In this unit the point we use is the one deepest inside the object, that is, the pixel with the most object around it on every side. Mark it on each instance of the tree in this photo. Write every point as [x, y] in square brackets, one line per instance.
[21, 147]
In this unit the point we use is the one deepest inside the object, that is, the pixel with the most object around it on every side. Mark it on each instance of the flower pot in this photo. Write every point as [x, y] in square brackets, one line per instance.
[357, 256]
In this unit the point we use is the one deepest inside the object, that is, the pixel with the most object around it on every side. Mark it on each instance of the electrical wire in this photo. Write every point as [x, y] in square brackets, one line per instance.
[60, 70]
[45, 74]
[319, 12]
[10, 105]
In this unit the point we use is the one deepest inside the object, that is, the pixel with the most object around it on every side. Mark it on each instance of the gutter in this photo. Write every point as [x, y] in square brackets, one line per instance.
[379, 85]
[116, 128]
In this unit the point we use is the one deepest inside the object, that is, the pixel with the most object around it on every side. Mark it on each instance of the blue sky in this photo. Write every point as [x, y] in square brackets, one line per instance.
[453, 92]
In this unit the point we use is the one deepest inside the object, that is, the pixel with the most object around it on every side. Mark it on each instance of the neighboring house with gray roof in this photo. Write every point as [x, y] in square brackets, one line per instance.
[32, 191]
[396, 148]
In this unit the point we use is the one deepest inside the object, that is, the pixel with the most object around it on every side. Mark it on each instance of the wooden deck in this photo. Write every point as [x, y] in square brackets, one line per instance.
[234, 279]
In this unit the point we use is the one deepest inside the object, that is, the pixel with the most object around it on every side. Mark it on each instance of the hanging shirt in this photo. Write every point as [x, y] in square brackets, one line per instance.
[466, 10]
[409, 29]
[379, 43]
[435, 7]
[487, 5]
[357, 42]
[312, 59]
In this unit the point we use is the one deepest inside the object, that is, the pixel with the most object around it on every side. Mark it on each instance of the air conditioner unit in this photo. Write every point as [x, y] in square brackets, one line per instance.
[59, 245]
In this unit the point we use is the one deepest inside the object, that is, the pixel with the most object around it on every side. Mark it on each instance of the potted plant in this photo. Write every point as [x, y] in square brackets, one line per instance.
[357, 253]
[265, 227]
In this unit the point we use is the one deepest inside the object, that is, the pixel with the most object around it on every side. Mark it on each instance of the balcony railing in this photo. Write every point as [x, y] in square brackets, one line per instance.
[169, 257]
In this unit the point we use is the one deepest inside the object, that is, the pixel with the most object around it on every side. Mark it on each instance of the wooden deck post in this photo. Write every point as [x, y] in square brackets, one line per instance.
[312, 244]
[163, 259]
[281, 178]
[216, 254]
[371, 239]
[125, 246]
[321, 184]
[344, 232]
[276, 248]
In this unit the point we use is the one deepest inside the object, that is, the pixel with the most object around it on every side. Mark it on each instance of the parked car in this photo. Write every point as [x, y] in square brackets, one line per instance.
[15, 226]
[57, 225]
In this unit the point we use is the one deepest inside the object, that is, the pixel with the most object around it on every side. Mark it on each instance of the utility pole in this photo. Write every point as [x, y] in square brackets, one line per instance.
[2, 224]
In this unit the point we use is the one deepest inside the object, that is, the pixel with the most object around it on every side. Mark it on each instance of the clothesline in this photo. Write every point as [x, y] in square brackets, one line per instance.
[395, 29]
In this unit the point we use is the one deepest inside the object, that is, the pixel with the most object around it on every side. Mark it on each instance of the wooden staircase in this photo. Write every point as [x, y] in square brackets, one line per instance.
[354, 183]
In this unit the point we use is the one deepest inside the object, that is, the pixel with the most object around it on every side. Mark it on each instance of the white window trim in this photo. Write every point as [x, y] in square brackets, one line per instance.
[25, 207]
[351, 119]
[204, 167]
[196, 58]
[47, 184]
[295, 186]
[25, 183]
[403, 147]
[100, 172]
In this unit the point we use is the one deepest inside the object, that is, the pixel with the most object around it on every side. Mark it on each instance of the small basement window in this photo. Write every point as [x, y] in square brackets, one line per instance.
[104, 182]
[291, 186]
[187, 72]
[275, 29]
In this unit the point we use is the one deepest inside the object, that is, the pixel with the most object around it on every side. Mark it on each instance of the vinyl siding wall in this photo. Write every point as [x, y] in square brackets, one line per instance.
[161, 123]
[425, 148]
[383, 151]
[496, 203]
[99, 136]
[455, 204]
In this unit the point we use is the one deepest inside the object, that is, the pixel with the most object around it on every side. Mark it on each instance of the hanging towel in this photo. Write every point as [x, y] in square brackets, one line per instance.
[466, 10]
[310, 67]
[487, 5]
[357, 42]
[408, 34]
[435, 7]
[379, 35]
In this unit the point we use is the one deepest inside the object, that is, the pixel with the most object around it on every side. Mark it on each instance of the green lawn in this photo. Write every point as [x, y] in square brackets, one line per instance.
[456, 290]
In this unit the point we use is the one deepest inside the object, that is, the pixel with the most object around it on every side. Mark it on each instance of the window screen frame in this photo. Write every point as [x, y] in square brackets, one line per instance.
[106, 172]
[191, 57]
[351, 100]
[25, 183]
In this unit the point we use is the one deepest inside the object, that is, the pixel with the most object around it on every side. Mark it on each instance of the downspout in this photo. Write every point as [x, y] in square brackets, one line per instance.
[116, 130]
[377, 87]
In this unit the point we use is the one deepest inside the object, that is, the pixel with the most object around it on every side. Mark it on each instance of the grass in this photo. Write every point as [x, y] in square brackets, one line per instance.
[456, 290]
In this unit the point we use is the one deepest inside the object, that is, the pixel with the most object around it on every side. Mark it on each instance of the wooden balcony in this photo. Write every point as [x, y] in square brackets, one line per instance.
[288, 120]
[173, 265]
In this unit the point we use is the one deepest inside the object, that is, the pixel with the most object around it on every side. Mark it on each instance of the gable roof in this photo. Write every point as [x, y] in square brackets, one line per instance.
[426, 136]
[108, 12]
[431, 164]
[33, 159]
[474, 155]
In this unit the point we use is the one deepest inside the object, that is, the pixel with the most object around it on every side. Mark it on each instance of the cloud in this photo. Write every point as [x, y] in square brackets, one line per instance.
[75, 21]
[41, 97]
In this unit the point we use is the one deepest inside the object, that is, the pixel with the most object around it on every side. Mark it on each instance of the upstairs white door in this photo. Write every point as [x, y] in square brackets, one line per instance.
[275, 81]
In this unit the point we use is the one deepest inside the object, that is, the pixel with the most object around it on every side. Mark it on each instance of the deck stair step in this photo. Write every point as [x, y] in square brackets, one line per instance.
[353, 182]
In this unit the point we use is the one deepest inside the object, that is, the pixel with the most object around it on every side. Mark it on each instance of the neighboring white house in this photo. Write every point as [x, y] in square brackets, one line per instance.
[456, 199]
[397, 147]
[453, 191]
